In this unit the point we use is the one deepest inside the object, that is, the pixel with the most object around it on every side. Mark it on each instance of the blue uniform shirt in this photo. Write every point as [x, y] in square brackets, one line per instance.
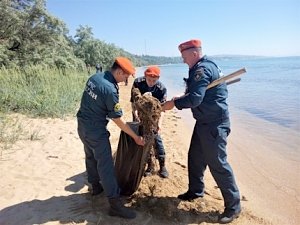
[206, 105]
[158, 91]
[99, 102]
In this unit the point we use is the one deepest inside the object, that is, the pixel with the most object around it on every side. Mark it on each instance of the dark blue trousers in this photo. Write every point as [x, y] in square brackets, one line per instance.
[99, 161]
[159, 147]
[208, 148]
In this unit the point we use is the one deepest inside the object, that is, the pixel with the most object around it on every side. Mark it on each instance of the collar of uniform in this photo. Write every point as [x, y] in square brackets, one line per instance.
[197, 63]
[110, 77]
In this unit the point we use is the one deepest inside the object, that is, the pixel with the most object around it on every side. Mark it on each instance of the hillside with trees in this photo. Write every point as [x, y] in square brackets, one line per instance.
[30, 35]
[42, 68]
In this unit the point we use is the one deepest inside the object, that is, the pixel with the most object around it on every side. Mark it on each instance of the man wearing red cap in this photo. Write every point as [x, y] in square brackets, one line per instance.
[99, 103]
[150, 83]
[209, 139]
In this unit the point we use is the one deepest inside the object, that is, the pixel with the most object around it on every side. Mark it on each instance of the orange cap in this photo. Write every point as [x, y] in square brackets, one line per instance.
[125, 64]
[189, 44]
[152, 71]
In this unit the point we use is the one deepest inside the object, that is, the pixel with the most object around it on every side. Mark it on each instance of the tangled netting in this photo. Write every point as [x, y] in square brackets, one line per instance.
[149, 111]
[130, 158]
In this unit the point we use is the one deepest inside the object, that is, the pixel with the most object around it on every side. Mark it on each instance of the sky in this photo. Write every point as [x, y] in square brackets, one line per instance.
[157, 27]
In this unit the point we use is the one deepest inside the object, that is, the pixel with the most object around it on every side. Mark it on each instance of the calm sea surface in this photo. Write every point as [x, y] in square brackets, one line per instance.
[269, 90]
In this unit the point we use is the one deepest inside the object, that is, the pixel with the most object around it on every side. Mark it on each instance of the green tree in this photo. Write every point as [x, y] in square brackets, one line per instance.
[30, 35]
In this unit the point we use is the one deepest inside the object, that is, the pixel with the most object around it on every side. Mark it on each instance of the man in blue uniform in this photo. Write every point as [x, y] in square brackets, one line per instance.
[99, 103]
[150, 83]
[209, 139]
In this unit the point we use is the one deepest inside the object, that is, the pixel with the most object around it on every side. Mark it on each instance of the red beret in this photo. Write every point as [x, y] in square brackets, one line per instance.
[189, 44]
[152, 71]
[125, 64]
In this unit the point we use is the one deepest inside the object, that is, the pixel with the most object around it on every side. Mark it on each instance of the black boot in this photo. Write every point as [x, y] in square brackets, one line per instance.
[228, 216]
[188, 196]
[118, 209]
[96, 189]
[150, 167]
[163, 170]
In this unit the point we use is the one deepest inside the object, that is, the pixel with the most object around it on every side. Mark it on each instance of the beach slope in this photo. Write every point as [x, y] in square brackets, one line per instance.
[43, 179]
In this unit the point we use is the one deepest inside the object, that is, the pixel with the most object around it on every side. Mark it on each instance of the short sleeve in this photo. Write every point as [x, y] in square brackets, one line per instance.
[113, 106]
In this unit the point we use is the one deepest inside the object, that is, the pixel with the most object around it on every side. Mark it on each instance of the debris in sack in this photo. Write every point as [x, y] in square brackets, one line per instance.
[131, 158]
[149, 111]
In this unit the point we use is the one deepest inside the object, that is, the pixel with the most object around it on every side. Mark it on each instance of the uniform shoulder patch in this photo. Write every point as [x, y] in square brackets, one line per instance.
[198, 73]
[117, 107]
[159, 86]
[140, 79]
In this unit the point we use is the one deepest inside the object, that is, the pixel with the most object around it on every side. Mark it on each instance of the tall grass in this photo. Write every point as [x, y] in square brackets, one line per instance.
[10, 131]
[13, 129]
[38, 91]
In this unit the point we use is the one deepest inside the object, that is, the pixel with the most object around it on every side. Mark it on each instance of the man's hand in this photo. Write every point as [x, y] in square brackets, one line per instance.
[139, 140]
[168, 105]
[126, 128]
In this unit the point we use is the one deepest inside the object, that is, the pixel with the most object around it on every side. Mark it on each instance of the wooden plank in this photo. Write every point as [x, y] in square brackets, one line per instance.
[226, 78]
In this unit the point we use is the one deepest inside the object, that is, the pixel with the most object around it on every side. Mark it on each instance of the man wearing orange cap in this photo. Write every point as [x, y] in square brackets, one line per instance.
[209, 139]
[150, 83]
[99, 103]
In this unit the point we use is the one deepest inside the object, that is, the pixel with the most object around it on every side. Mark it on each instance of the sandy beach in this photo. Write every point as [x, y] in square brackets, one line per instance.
[43, 179]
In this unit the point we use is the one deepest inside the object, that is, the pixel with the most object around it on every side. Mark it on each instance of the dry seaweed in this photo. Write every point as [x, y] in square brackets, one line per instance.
[149, 111]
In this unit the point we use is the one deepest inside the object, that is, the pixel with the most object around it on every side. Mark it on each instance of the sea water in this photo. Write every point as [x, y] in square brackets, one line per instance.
[268, 91]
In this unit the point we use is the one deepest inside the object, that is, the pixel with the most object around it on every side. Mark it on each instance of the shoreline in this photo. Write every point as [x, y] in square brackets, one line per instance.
[44, 180]
[267, 175]
[266, 167]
